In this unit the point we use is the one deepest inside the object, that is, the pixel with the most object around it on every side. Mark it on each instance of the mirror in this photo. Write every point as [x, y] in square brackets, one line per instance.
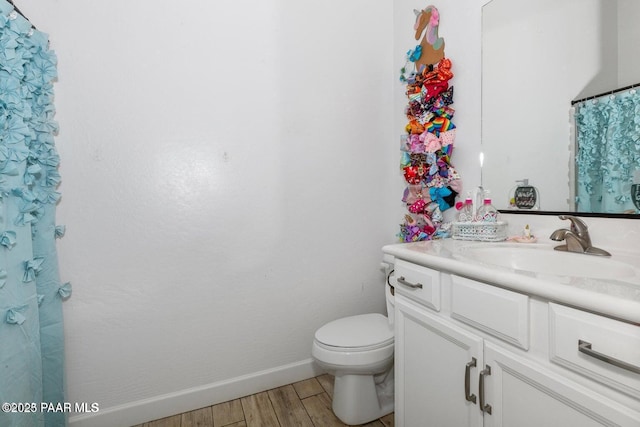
[537, 57]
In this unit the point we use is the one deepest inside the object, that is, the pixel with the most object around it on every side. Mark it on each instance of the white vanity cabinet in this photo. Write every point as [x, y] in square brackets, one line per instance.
[523, 393]
[464, 357]
[431, 370]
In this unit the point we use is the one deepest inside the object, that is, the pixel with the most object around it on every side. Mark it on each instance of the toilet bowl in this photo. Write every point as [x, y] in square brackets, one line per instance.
[358, 351]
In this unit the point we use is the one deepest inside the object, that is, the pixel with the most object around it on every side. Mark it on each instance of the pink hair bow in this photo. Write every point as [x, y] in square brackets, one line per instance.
[433, 142]
[448, 137]
[415, 143]
[415, 192]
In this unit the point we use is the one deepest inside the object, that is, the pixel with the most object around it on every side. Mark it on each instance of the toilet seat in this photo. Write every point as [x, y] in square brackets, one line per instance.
[363, 332]
[363, 342]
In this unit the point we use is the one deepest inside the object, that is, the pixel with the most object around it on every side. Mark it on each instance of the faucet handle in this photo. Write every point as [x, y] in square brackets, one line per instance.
[578, 226]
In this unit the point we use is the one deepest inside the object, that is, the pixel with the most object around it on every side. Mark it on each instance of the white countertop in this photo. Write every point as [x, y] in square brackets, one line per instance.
[617, 298]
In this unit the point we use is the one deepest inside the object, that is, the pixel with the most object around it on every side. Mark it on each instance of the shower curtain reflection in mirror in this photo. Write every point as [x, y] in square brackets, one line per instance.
[608, 152]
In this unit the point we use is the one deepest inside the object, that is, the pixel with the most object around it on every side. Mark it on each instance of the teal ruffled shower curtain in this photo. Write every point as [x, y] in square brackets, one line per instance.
[31, 295]
[608, 152]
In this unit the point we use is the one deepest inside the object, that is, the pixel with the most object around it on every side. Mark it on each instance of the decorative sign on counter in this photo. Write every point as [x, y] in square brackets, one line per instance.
[635, 195]
[526, 197]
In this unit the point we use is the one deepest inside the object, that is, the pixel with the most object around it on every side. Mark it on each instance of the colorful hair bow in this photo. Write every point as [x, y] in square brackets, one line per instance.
[415, 127]
[418, 206]
[415, 54]
[443, 167]
[447, 138]
[443, 196]
[431, 142]
[436, 213]
[405, 159]
[412, 233]
[414, 109]
[414, 89]
[415, 143]
[444, 99]
[433, 89]
[420, 109]
[418, 159]
[416, 229]
[456, 185]
[413, 193]
[439, 124]
[412, 159]
[431, 160]
[425, 103]
[414, 174]
[446, 112]
[453, 174]
[438, 173]
[441, 72]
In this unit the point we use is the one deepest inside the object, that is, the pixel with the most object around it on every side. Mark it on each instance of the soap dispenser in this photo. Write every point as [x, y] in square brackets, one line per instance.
[466, 212]
[524, 196]
[477, 198]
[487, 212]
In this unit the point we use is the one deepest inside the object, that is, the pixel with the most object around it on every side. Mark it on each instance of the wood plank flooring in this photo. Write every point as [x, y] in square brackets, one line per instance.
[305, 404]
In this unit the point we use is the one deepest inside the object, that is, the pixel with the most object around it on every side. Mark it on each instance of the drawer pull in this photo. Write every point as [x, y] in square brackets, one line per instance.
[467, 381]
[484, 407]
[403, 281]
[585, 347]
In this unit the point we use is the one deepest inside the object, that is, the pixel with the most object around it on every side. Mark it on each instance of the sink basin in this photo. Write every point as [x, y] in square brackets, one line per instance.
[545, 260]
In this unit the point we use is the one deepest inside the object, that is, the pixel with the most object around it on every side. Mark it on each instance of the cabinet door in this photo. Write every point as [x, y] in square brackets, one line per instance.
[430, 368]
[524, 394]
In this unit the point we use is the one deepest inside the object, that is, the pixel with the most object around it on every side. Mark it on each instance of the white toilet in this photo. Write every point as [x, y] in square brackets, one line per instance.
[358, 351]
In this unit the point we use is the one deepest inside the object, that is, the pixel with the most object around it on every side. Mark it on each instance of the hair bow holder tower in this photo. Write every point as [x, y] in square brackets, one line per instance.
[427, 145]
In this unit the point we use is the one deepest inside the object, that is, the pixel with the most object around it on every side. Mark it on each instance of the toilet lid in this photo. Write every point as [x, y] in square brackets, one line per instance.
[364, 330]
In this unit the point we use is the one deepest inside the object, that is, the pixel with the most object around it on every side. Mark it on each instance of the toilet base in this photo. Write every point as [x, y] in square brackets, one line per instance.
[359, 399]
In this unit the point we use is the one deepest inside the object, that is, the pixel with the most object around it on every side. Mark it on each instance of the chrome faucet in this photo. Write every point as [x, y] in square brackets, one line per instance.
[576, 238]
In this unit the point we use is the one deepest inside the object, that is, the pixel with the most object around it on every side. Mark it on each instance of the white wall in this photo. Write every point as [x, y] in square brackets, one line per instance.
[230, 172]
[229, 177]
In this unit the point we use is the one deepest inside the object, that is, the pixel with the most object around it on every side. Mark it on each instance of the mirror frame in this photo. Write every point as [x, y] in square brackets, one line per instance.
[584, 214]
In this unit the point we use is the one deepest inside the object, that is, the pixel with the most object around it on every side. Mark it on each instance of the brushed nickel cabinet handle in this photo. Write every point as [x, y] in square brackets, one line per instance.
[403, 281]
[467, 380]
[484, 407]
[585, 347]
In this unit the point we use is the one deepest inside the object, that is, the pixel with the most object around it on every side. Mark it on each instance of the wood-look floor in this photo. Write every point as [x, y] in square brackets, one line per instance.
[306, 403]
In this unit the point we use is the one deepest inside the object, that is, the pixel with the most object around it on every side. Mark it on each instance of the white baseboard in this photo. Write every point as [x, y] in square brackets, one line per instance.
[198, 397]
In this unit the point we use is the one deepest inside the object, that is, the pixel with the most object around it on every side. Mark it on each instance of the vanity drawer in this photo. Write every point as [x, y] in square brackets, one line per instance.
[499, 312]
[580, 340]
[419, 283]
